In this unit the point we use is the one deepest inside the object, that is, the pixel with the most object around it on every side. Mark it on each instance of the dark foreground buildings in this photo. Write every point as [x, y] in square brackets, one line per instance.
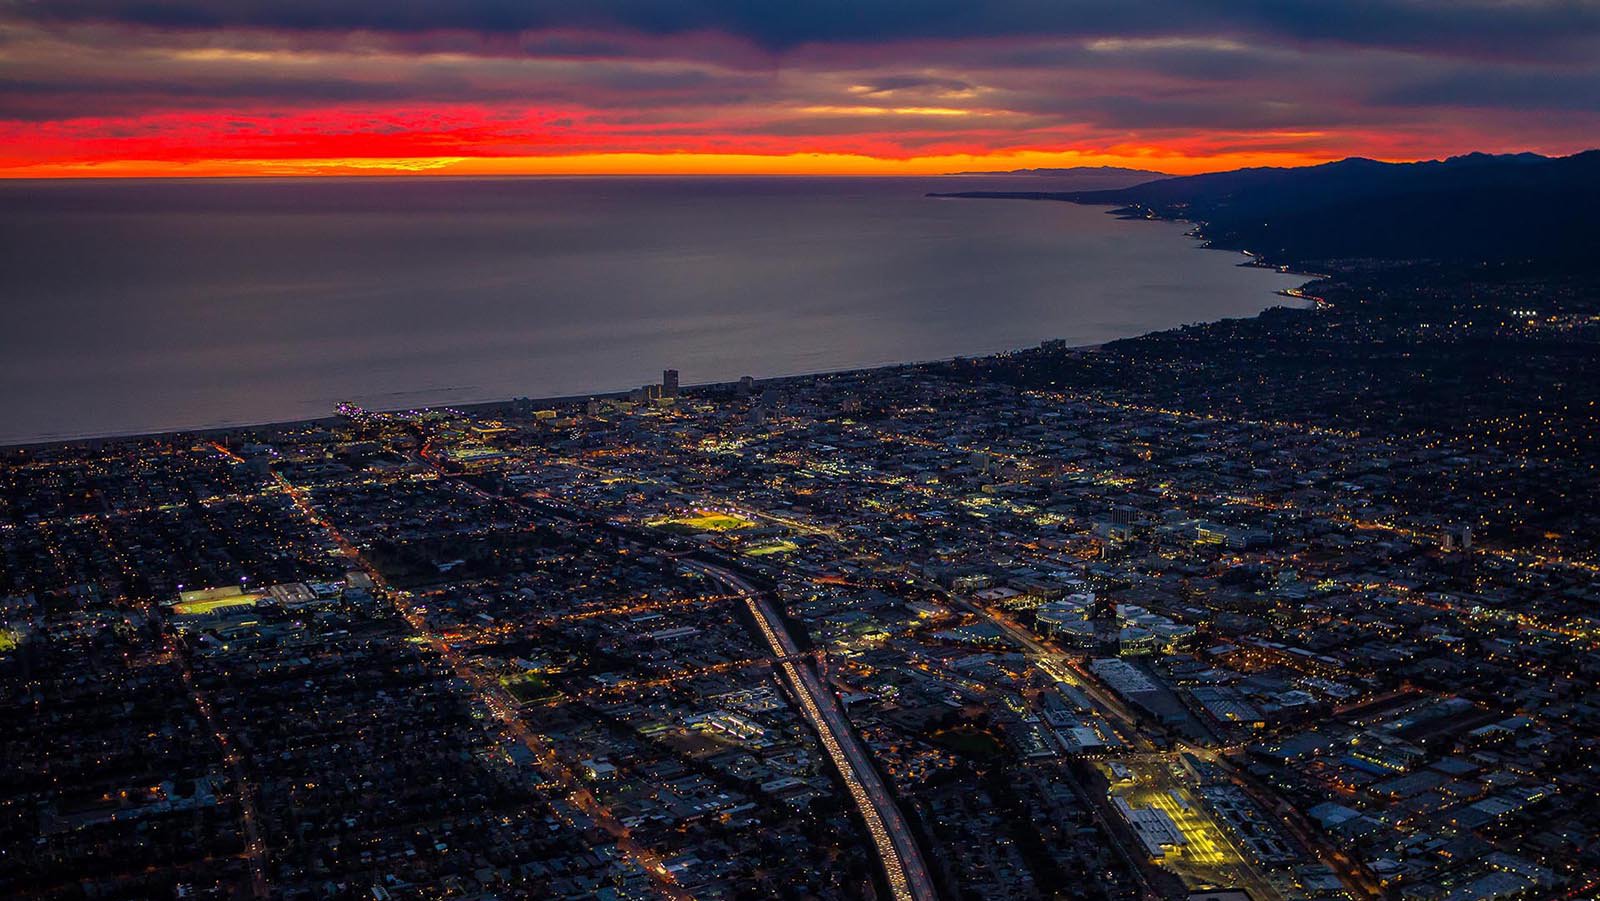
[1194, 611]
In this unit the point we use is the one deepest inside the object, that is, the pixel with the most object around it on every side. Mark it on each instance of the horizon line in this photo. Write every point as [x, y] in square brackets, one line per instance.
[1163, 163]
[689, 165]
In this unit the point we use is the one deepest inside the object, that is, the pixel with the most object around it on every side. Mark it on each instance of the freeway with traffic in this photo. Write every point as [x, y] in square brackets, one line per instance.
[897, 848]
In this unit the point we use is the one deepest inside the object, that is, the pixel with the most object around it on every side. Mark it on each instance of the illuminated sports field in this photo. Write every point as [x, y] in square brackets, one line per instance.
[202, 607]
[776, 547]
[529, 687]
[706, 521]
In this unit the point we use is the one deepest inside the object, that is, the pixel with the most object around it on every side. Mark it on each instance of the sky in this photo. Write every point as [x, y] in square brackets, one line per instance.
[889, 87]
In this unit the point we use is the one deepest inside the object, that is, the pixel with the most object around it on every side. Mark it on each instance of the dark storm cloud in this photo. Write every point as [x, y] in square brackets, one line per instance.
[882, 78]
[1574, 91]
[1490, 26]
[105, 73]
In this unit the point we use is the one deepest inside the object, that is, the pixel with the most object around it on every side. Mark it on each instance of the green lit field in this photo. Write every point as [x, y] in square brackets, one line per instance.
[200, 608]
[705, 521]
[8, 640]
[776, 547]
[529, 687]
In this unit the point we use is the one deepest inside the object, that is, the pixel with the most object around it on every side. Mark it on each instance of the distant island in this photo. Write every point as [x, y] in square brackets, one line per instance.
[1075, 172]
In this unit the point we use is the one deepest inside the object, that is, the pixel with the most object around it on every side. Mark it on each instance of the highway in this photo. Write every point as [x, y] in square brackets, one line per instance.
[1054, 663]
[897, 849]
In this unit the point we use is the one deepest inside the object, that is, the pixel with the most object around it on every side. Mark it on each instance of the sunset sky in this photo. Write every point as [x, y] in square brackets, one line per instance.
[248, 87]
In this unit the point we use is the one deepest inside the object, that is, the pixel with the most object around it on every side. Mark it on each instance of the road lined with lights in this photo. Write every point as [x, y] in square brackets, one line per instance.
[1337, 858]
[902, 859]
[255, 848]
[495, 701]
[903, 866]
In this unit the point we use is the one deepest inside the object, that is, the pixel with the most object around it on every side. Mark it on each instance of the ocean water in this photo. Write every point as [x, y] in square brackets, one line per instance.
[140, 306]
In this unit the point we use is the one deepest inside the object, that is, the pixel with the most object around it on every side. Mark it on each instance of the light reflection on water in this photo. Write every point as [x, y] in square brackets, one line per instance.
[145, 306]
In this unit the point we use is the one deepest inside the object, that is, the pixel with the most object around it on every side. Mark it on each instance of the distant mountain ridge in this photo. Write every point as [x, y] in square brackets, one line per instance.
[1076, 172]
[1476, 207]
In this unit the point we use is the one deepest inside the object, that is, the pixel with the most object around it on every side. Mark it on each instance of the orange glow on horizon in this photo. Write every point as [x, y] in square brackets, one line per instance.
[120, 89]
[688, 163]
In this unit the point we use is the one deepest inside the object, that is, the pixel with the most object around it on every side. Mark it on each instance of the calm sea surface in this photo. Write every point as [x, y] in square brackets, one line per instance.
[132, 307]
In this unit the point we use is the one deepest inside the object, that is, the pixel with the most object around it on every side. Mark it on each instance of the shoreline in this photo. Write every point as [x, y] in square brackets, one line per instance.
[1137, 213]
[1253, 261]
[1307, 302]
[482, 406]
[487, 406]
